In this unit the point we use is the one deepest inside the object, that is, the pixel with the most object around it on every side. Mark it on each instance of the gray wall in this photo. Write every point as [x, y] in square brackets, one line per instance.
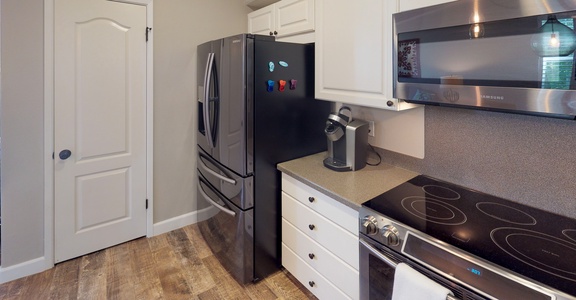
[526, 159]
[22, 118]
[179, 25]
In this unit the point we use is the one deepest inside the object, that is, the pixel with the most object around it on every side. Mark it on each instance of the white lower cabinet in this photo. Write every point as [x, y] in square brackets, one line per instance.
[308, 276]
[319, 241]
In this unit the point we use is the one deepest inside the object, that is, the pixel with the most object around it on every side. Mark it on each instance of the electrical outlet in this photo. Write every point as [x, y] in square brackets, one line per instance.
[371, 128]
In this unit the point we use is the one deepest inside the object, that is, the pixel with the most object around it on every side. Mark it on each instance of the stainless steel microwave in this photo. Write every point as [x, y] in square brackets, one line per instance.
[503, 55]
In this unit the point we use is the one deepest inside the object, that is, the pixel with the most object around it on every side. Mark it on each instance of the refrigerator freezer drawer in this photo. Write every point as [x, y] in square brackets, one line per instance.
[229, 233]
[239, 190]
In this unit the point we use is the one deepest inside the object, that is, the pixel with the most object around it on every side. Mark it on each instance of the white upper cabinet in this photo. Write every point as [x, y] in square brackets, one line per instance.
[262, 21]
[413, 4]
[283, 19]
[354, 53]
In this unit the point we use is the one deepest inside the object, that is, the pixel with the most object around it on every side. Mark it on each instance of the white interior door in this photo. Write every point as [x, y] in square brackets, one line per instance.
[100, 117]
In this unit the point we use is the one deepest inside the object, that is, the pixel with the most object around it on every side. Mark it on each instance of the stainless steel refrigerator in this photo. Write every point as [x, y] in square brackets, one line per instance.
[256, 108]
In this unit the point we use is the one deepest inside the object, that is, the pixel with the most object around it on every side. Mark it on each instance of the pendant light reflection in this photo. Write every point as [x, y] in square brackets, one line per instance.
[477, 29]
[553, 39]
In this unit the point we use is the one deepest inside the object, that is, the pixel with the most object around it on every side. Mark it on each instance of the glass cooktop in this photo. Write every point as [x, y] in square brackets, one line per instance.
[529, 241]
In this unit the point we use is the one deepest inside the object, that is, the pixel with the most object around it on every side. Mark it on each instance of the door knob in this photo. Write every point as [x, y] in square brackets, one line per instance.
[64, 154]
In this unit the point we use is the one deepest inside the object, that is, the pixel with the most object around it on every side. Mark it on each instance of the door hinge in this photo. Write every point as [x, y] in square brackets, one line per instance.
[148, 29]
[52, 155]
[146, 203]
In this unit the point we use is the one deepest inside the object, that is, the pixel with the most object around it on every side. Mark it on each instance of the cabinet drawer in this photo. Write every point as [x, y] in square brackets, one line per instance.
[322, 204]
[321, 287]
[326, 233]
[327, 264]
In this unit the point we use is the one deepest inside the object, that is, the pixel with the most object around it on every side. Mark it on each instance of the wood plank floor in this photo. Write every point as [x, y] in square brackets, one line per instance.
[174, 265]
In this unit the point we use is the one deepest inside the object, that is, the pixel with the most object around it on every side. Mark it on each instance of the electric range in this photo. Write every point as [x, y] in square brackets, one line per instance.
[494, 239]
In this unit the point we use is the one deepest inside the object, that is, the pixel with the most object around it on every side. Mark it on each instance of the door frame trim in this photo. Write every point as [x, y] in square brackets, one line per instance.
[49, 150]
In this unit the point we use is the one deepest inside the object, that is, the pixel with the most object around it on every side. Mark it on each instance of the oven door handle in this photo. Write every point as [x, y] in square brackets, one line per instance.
[377, 253]
[220, 207]
[388, 261]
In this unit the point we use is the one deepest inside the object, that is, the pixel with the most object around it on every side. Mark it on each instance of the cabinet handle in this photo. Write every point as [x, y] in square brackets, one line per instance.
[311, 283]
[271, 33]
[311, 226]
[311, 199]
[311, 255]
[275, 32]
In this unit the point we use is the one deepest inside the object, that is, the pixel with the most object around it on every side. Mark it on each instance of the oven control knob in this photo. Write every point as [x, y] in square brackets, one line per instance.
[390, 233]
[370, 225]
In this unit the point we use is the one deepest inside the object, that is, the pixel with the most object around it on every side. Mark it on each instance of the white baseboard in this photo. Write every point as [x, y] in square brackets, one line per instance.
[184, 220]
[24, 269]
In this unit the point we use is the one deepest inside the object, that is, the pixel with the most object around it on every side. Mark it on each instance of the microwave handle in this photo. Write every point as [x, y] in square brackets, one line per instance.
[206, 112]
[220, 207]
[220, 176]
[388, 261]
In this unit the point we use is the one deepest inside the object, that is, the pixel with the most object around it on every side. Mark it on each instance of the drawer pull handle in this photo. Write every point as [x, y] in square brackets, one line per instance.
[311, 255]
[311, 283]
[311, 226]
[311, 199]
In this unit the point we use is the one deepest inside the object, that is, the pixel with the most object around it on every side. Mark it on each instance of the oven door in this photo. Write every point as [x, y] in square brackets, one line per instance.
[377, 267]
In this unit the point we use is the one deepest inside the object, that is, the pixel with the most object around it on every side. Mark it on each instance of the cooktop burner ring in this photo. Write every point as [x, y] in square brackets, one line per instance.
[530, 241]
[501, 209]
[435, 191]
[567, 232]
[446, 214]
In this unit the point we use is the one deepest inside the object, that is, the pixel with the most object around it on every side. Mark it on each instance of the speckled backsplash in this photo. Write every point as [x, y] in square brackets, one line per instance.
[527, 159]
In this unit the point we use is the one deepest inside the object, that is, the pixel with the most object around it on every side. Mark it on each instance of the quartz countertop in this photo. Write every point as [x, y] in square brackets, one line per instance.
[350, 188]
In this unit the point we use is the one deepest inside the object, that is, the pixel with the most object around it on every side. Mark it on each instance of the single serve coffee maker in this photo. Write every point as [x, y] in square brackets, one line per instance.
[347, 141]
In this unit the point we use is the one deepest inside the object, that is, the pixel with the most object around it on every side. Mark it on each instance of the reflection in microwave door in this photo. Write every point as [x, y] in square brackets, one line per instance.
[423, 95]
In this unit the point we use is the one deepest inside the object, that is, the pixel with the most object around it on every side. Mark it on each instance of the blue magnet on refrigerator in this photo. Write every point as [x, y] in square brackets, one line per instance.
[270, 85]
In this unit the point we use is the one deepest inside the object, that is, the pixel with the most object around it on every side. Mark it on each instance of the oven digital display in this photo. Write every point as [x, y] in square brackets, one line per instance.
[481, 279]
[475, 271]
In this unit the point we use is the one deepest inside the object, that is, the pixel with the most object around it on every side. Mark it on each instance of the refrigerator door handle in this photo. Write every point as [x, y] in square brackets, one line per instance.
[204, 167]
[207, 198]
[207, 79]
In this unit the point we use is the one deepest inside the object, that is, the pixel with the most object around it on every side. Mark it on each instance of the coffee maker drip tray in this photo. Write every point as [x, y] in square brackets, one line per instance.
[336, 165]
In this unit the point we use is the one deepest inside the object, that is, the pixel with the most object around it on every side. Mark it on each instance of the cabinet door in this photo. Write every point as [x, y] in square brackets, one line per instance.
[405, 5]
[354, 52]
[294, 17]
[262, 21]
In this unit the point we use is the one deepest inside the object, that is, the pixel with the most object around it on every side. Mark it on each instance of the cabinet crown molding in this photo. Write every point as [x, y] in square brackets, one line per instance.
[257, 4]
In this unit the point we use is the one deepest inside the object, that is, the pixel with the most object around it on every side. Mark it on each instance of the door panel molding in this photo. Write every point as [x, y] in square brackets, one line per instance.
[137, 2]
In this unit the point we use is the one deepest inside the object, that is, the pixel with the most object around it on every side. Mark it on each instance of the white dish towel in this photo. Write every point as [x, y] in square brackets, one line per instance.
[410, 284]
